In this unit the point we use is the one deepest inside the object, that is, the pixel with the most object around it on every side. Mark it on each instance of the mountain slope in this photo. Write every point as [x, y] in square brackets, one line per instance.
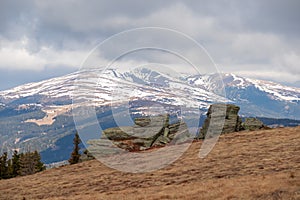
[39, 115]
[244, 165]
[144, 82]
[256, 97]
[261, 98]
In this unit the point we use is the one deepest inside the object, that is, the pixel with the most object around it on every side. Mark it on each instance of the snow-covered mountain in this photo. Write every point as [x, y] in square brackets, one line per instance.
[274, 90]
[109, 86]
[256, 97]
[38, 115]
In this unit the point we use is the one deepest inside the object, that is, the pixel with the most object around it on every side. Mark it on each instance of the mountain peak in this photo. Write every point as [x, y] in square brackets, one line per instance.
[157, 84]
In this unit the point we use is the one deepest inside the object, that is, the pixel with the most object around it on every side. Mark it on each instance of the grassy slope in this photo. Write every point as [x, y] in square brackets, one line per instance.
[246, 165]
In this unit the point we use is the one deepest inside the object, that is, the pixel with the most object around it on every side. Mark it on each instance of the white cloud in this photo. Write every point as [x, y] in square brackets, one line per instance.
[15, 55]
[280, 76]
[289, 61]
[20, 59]
[252, 47]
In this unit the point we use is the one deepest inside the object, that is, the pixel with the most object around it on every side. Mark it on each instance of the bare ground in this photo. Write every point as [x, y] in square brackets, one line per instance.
[245, 165]
[51, 113]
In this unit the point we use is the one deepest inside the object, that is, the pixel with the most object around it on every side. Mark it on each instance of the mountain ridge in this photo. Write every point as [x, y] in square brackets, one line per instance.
[195, 90]
[203, 79]
[39, 115]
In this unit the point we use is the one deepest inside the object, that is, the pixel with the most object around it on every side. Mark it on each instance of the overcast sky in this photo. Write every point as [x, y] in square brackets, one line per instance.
[43, 39]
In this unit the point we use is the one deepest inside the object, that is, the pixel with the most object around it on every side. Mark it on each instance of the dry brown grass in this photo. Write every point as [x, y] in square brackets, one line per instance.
[246, 165]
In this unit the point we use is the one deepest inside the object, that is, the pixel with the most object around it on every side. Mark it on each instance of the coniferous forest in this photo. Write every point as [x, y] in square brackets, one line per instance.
[20, 164]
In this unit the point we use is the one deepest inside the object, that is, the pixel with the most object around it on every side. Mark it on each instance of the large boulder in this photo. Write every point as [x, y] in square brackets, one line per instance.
[175, 133]
[221, 117]
[101, 147]
[161, 141]
[142, 121]
[252, 124]
[159, 120]
[146, 128]
[119, 133]
[153, 131]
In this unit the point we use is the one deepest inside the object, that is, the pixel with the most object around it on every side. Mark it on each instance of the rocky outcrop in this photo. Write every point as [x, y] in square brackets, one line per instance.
[118, 133]
[86, 156]
[224, 118]
[148, 132]
[157, 131]
[252, 124]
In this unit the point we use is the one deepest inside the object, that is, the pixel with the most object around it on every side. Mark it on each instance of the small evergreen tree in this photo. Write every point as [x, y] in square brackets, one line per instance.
[9, 169]
[15, 161]
[39, 165]
[4, 166]
[1, 166]
[75, 155]
[30, 163]
[27, 164]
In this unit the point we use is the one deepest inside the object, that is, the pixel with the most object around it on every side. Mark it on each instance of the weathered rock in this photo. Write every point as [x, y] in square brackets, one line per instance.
[161, 141]
[124, 145]
[239, 126]
[147, 132]
[142, 121]
[252, 124]
[160, 120]
[182, 135]
[173, 128]
[143, 142]
[119, 133]
[166, 132]
[101, 147]
[144, 133]
[86, 156]
[150, 132]
[221, 117]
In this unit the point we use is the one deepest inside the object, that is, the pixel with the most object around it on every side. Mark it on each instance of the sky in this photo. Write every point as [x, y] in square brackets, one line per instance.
[251, 38]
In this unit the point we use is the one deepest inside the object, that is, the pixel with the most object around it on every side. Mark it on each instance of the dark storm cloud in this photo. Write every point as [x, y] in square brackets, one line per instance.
[275, 16]
[15, 18]
[242, 36]
[56, 21]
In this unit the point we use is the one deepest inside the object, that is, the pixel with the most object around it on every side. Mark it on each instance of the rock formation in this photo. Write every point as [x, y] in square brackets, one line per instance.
[157, 131]
[252, 124]
[154, 131]
[224, 118]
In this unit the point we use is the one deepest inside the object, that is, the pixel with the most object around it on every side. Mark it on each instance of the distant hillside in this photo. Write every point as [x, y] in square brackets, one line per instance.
[280, 122]
[244, 165]
[38, 116]
[55, 140]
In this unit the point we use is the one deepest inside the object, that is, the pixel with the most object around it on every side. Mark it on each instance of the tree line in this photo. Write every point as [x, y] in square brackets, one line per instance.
[20, 164]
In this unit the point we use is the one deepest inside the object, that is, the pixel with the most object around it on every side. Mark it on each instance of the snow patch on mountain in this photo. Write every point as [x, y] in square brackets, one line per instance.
[156, 85]
[278, 91]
